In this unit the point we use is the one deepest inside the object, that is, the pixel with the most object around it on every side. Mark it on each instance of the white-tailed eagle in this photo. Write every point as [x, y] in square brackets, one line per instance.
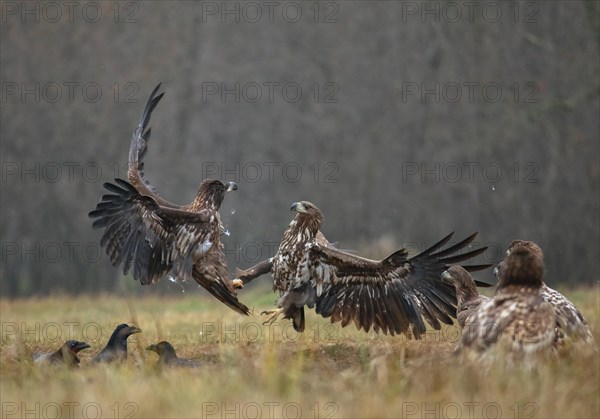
[570, 323]
[154, 237]
[389, 295]
[467, 296]
[517, 320]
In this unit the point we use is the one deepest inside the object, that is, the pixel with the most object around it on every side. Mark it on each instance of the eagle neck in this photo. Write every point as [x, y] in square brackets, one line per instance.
[466, 293]
[304, 224]
[205, 200]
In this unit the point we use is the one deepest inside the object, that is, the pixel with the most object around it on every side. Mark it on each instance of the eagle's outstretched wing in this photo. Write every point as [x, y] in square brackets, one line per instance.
[150, 237]
[138, 149]
[391, 294]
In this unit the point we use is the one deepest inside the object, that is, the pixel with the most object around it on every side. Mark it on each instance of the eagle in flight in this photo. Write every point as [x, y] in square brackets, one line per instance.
[390, 295]
[154, 237]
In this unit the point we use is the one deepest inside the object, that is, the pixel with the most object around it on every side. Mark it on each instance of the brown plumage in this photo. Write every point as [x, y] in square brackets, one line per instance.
[390, 295]
[154, 237]
[570, 323]
[516, 319]
[468, 298]
[66, 354]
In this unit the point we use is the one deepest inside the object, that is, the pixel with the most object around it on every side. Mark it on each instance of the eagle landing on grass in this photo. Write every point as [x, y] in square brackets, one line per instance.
[389, 295]
[153, 237]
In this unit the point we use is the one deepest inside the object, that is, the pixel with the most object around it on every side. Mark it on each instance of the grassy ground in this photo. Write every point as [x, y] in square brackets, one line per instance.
[252, 370]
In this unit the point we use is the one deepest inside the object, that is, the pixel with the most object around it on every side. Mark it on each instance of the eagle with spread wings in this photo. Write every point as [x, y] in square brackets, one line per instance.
[388, 295]
[153, 237]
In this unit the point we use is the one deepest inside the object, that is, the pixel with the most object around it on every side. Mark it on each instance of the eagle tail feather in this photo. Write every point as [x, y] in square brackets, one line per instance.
[298, 320]
[223, 294]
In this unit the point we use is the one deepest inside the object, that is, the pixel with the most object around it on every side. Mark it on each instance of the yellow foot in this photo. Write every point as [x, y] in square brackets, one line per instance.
[237, 283]
[273, 315]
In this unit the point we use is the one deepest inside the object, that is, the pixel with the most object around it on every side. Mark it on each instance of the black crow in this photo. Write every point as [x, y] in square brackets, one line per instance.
[66, 354]
[116, 348]
[167, 356]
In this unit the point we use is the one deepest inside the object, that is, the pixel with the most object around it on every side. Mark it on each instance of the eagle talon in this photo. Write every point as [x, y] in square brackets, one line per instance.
[273, 315]
[237, 283]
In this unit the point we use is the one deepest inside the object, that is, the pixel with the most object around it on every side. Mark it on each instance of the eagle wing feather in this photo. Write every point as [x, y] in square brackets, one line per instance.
[142, 233]
[138, 149]
[391, 294]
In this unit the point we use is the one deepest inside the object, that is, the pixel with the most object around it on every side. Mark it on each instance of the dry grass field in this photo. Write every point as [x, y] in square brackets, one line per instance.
[251, 370]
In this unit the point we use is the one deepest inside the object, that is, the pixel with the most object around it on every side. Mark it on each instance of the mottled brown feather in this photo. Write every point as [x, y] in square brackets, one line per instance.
[155, 237]
[517, 319]
[392, 295]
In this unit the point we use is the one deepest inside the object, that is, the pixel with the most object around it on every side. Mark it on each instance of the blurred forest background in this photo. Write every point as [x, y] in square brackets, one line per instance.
[402, 121]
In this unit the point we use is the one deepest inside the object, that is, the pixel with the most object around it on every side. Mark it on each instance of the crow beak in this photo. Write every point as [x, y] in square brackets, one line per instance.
[81, 346]
[152, 348]
[134, 329]
[232, 187]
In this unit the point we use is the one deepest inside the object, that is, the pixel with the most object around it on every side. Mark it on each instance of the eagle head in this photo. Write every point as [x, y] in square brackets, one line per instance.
[305, 207]
[525, 244]
[524, 265]
[457, 275]
[212, 192]
[461, 280]
[308, 212]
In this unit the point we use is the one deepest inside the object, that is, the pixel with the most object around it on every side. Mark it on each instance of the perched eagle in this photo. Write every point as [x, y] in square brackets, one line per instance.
[155, 237]
[390, 295]
[570, 323]
[468, 298]
[517, 319]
